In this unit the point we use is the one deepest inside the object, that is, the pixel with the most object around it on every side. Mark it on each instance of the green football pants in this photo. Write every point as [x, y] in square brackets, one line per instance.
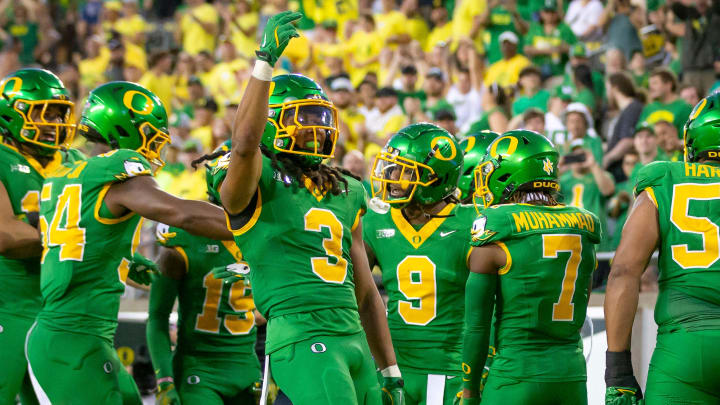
[72, 368]
[509, 391]
[216, 380]
[327, 370]
[429, 389]
[685, 369]
[14, 378]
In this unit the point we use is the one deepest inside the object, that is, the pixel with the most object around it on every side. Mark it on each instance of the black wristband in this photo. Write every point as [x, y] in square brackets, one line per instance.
[618, 369]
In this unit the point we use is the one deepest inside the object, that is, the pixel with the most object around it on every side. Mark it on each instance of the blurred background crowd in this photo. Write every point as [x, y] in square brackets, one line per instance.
[610, 82]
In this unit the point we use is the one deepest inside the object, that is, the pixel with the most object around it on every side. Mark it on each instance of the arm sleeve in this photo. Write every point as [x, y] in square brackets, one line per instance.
[162, 297]
[479, 304]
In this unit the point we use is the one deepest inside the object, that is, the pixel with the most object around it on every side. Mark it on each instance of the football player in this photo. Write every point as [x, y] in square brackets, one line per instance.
[474, 148]
[677, 210]
[297, 222]
[421, 245]
[37, 124]
[532, 261]
[216, 324]
[90, 218]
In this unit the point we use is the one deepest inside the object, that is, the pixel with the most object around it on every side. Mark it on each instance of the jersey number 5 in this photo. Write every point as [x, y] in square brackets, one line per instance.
[552, 244]
[709, 231]
[70, 237]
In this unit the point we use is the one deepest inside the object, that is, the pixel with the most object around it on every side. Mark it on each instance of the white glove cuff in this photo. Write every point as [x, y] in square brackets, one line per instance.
[391, 371]
[262, 71]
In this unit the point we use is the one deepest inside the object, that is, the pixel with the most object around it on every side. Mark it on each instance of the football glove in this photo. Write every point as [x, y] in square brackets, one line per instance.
[167, 395]
[623, 396]
[141, 269]
[232, 272]
[622, 387]
[276, 35]
[392, 389]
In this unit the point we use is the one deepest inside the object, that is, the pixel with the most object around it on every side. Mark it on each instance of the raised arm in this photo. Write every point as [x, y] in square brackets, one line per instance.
[246, 159]
[143, 196]
[18, 239]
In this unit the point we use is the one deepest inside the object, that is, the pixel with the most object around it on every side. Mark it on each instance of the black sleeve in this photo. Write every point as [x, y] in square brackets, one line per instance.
[625, 127]
[684, 12]
[242, 218]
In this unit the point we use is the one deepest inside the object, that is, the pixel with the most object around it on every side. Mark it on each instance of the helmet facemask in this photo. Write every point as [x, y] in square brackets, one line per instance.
[292, 121]
[395, 179]
[40, 118]
[154, 141]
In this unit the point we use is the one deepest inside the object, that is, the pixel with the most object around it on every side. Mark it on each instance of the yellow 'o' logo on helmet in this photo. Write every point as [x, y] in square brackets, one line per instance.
[510, 148]
[470, 144]
[438, 154]
[129, 97]
[17, 83]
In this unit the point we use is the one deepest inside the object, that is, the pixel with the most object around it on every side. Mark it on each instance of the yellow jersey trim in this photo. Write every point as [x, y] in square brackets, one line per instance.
[417, 238]
[98, 204]
[356, 222]
[232, 249]
[651, 194]
[184, 256]
[467, 257]
[253, 219]
[508, 259]
[136, 236]
[53, 165]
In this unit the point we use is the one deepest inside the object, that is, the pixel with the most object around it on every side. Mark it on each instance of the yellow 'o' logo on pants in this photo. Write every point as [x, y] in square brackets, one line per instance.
[129, 97]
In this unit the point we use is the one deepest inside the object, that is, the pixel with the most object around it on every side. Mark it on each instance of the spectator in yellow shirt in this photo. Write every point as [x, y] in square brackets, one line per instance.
[443, 29]
[92, 68]
[223, 84]
[506, 71]
[241, 26]
[384, 120]
[364, 49]
[131, 25]
[351, 121]
[158, 78]
[198, 27]
[201, 125]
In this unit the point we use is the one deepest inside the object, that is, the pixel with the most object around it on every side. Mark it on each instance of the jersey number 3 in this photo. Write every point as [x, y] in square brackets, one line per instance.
[315, 220]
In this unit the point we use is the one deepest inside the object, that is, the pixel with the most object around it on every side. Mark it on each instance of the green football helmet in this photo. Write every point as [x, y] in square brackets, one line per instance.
[701, 135]
[34, 106]
[518, 160]
[298, 103]
[126, 115]
[474, 148]
[421, 163]
[222, 160]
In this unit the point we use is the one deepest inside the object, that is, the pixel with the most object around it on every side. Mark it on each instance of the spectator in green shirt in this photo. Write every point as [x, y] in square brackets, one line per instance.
[578, 56]
[498, 17]
[665, 105]
[620, 203]
[23, 27]
[579, 124]
[668, 140]
[582, 81]
[531, 92]
[548, 42]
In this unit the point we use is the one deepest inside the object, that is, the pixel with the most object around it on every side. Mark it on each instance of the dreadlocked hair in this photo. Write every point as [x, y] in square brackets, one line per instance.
[534, 197]
[195, 163]
[326, 178]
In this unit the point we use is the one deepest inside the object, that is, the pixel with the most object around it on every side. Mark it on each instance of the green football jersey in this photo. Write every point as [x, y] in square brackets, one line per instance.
[676, 111]
[297, 243]
[543, 290]
[424, 273]
[22, 177]
[87, 250]
[213, 316]
[687, 196]
[583, 192]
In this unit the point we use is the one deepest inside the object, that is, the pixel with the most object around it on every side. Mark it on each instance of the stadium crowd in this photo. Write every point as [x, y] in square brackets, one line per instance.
[611, 83]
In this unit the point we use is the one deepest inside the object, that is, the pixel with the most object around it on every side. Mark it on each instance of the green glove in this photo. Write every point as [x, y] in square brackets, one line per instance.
[277, 34]
[459, 400]
[623, 396]
[232, 272]
[167, 395]
[141, 269]
[393, 391]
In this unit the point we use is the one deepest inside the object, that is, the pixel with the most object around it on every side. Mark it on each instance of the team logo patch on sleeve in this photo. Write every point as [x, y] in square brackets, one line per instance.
[478, 232]
[133, 169]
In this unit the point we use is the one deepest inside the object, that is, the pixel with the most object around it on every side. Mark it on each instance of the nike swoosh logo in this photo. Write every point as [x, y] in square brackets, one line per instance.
[450, 377]
[444, 234]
